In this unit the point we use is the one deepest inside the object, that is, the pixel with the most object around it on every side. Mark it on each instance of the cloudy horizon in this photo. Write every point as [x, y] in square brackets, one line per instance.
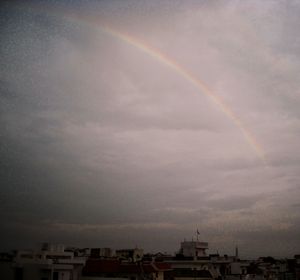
[105, 144]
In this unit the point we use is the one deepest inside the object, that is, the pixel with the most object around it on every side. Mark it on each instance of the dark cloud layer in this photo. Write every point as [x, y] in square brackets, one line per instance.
[104, 145]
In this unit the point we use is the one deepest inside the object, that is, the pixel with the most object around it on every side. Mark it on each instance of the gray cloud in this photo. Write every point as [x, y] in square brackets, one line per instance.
[102, 144]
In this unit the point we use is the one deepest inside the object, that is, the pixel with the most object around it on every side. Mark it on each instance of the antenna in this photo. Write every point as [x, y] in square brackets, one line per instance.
[236, 252]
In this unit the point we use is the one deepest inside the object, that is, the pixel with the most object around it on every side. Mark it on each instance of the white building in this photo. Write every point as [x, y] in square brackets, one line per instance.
[193, 248]
[193, 263]
[51, 262]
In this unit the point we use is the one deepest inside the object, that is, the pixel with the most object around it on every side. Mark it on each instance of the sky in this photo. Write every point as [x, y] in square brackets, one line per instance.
[135, 123]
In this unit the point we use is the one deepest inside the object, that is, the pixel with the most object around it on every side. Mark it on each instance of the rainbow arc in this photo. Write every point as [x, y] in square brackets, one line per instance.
[164, 59]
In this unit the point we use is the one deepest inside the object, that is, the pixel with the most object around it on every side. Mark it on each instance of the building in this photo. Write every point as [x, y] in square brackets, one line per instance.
[193, 248]
[130, 255]
[101, 252]
[6, 266]
[50, 262]
[99, 269]
[192, 263]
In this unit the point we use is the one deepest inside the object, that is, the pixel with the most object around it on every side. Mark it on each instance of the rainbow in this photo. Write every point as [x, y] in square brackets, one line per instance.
[164, 59]
[201, 86]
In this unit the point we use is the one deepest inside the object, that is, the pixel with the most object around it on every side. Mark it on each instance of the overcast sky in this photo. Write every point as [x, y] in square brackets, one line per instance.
[104, 144]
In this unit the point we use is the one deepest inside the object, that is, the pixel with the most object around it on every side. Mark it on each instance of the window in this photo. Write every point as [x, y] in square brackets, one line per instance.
[55, 275]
